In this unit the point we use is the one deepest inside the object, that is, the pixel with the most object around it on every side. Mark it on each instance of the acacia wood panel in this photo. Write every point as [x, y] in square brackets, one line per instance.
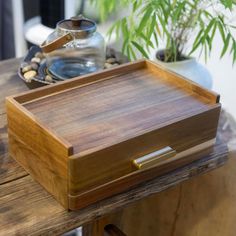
[40, 153]
[186, 84]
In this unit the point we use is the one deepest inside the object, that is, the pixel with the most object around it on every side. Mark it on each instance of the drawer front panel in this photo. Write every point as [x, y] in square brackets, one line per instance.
[129, 181]
[90, 171]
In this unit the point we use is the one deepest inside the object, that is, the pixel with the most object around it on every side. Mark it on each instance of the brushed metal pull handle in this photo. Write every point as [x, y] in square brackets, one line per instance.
[154, 158]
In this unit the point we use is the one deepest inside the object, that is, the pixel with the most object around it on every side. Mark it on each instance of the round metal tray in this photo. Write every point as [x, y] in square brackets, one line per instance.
[39, 81]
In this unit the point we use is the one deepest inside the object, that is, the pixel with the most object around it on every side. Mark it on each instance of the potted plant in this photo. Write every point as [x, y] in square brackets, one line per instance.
[183, 26]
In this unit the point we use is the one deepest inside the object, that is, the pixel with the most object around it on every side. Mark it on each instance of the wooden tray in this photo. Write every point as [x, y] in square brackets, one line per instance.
[97, 135]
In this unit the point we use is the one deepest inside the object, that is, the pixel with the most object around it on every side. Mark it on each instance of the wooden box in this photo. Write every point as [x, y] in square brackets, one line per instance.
[95, 136]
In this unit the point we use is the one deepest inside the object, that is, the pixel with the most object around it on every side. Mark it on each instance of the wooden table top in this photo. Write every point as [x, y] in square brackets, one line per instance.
[27, 209]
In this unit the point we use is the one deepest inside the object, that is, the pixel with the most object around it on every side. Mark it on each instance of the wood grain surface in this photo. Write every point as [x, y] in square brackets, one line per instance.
[27, 209]
[40, 152]
[100, 114]
[9, 85]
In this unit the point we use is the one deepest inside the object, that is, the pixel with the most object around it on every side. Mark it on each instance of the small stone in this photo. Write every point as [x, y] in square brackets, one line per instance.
[120, 58]
[36, 59]
[111, 60]
[107, 65]
[48, 78]
[108, 52]
[34, 66]
[115, 64]
[29, 75]
[43, 61]
[26, 68]
[39, 55]
[24, 64]
[113, 52]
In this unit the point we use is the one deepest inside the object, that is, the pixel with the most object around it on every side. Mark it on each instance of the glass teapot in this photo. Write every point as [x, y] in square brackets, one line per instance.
[74, 48]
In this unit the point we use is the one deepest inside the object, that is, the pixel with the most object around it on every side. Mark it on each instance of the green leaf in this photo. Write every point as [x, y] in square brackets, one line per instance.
[208, 28]
[208, 40]
[165, 6]
[158, 30]
[197, 42]
[140, 48]
[132, 53]
[125, 43]
[156, 39]
[144, 20]
[205, 52]
[135, 4]
[207, 14]
[146, 40]
[213, 32]
[178, 11]
[226, 45]
[163, 25]
[118, 28]
[124, 28]
[111, 30]
[227, 3]
[128, 52]
[234, 52]
[232, 26]
[152, 27]
[221, 30]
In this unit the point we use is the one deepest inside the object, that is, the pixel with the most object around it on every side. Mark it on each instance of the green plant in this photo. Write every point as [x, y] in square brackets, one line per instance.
[174, 22]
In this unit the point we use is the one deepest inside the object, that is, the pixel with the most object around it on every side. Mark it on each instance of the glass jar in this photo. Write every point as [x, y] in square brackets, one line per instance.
[74, 48]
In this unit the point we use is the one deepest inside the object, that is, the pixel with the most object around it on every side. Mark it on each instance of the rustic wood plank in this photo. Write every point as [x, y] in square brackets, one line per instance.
[9, 169]
[10, 65]
[19, 198]
[10, 84]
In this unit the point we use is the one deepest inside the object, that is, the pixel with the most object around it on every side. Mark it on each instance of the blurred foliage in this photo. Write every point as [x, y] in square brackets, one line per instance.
[173, 22]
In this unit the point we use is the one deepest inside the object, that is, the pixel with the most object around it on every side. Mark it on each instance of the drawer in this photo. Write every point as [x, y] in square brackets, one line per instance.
[115, 161]
[144, 153]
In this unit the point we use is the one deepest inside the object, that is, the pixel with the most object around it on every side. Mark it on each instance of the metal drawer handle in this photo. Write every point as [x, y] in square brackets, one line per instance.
[154, 158]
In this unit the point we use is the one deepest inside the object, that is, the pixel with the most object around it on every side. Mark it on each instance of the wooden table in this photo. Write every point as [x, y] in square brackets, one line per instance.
[27, 209]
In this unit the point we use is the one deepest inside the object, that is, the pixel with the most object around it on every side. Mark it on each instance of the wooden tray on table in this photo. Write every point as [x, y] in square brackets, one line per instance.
[98, 135]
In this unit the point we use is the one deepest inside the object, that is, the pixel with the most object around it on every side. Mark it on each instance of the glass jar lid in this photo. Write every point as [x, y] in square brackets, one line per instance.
[78, 25]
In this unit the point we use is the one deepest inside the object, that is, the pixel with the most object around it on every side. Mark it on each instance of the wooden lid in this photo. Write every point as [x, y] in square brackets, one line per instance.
[119, 106]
